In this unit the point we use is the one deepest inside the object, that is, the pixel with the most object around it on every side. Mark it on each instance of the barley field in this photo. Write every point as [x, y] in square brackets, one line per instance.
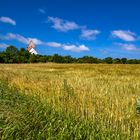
[69, 101]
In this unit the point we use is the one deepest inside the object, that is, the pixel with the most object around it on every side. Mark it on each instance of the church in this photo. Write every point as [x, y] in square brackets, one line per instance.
[31, 48]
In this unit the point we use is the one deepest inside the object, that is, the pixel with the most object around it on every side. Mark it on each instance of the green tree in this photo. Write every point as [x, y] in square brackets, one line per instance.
[87, 59]
[23, 55]
[42, 59]
[12, 54]
[68, 59]
[108, 60]
[33, 58]
[132, 61]
[117, 61]
[58, 58]
[124, 60]
[1, 57]
[12, 50]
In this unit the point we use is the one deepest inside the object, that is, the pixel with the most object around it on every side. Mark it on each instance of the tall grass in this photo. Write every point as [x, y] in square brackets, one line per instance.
[26, 117]
[70, 101]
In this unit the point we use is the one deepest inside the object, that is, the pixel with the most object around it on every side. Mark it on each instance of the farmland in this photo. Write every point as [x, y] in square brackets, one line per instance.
[69, 101]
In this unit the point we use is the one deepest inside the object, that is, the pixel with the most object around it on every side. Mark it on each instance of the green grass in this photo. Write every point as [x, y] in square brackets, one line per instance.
[26, 117]
[69, 102]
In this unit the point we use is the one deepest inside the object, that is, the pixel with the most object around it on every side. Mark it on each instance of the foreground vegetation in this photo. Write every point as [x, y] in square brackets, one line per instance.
[55, 101]
[26, 117]
[13, 55]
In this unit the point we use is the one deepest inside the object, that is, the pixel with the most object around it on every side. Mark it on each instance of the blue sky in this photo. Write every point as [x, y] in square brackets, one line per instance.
[99, 28]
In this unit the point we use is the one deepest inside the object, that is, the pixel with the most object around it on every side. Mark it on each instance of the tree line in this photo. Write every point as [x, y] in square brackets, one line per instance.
[13, 55]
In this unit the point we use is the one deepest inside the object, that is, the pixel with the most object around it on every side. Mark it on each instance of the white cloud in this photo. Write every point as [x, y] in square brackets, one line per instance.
[22, 39]
[42, 11]
[128, 47]
[69, 47]
[7, 20]
[63, 25]
[124, 35]
[17, 37]
[3, 46]
[75, 48]
[89, 34]
[54, 44]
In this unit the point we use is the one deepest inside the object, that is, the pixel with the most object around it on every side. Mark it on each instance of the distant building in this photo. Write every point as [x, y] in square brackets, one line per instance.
[31, 48]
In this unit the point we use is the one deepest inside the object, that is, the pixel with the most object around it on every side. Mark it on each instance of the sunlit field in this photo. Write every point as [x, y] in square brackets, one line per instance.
[69, 101]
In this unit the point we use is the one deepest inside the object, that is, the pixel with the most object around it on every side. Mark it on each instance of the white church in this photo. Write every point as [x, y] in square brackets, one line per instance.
[31, 48]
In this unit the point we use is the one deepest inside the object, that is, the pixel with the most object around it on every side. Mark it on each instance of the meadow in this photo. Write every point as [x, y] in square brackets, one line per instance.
[69, 101]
